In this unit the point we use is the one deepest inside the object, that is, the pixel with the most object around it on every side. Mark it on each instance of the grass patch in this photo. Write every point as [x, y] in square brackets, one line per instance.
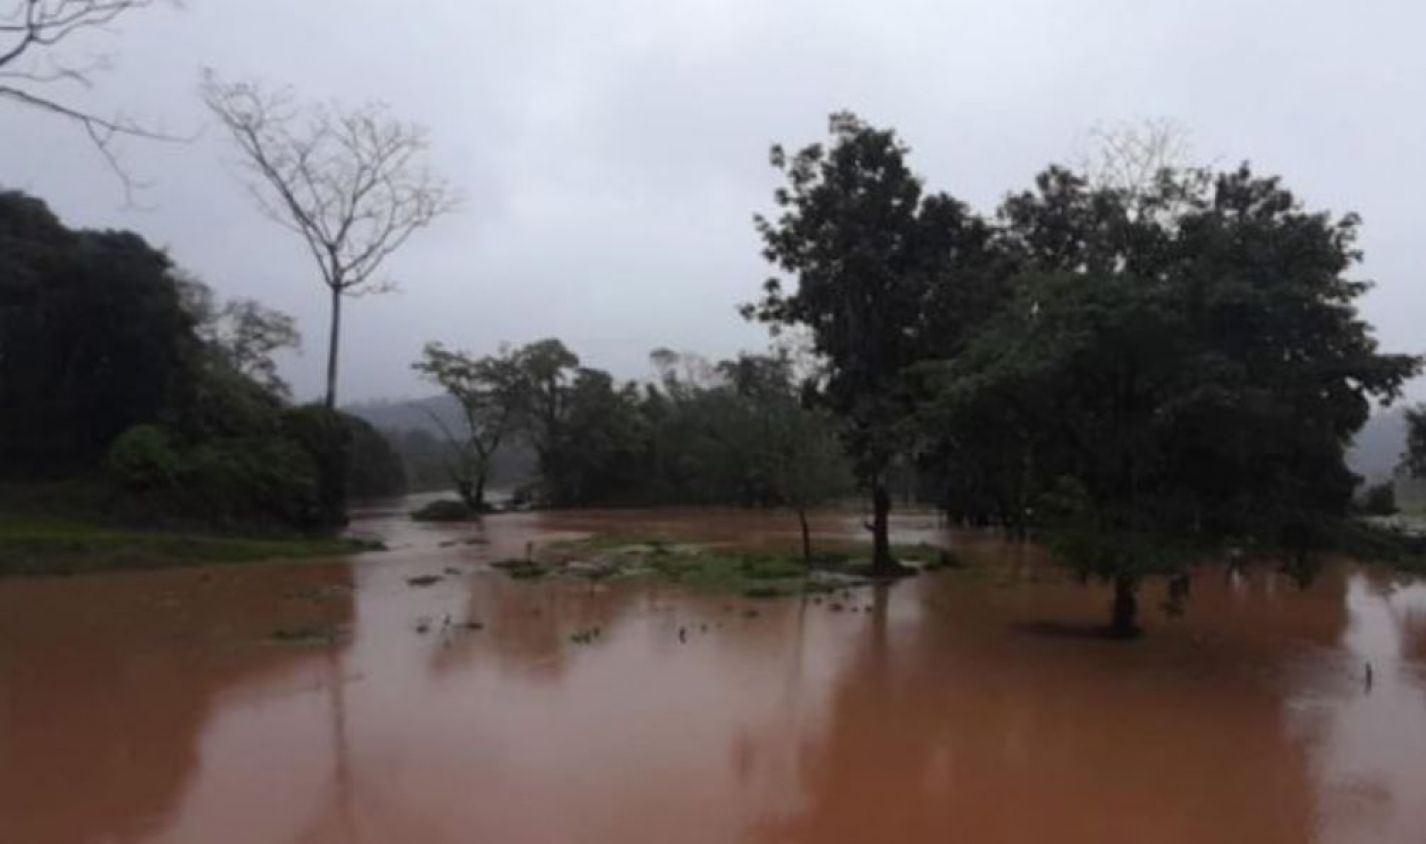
[305, 634]
[522, 569]
[752, 575]
[43, 547]
[718, 568]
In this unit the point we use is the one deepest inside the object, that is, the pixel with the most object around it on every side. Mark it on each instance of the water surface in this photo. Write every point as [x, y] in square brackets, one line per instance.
[963, 705]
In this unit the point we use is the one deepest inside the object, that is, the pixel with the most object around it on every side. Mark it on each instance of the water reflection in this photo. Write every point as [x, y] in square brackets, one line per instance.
[944, 707]
[107, 684]
[1371, 752]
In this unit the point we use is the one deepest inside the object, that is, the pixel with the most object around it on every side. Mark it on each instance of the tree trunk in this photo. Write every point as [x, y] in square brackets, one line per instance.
[881, 559]
[1125, 611]
[806, 537]
[332, 347]
[479, 504]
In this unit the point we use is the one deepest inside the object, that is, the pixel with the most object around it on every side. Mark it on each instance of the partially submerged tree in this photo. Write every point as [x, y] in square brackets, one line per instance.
[548, 370]
[493, 396]
[33, 35]
[882, 275]
[807, 463]
[1184, 379]
[793, 452]
[352, 183]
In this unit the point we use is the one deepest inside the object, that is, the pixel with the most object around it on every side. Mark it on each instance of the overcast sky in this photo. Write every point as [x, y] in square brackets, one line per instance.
[612, 152]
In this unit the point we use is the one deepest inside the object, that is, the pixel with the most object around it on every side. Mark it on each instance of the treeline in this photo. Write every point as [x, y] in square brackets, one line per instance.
[737, 432]
[119, 371]
[1145, 361]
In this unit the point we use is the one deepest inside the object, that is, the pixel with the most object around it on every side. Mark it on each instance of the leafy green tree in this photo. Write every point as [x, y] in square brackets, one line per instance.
[113, 365]
[374, 468]
[1182, 368]
[242, 334]
[93, 339]
[599, 454]
[885, 275]
[807, 465]
[547, 369]
[1415, 455]
[494, 395]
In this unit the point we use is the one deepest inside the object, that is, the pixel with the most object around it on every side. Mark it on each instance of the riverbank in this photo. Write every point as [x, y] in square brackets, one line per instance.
[54, 546]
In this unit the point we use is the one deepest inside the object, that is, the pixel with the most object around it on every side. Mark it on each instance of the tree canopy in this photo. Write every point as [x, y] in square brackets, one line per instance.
[115, 365]
[1178, 369]
[885, 275]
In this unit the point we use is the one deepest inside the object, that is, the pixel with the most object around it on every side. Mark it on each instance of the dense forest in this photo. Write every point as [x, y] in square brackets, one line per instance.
[125, 378]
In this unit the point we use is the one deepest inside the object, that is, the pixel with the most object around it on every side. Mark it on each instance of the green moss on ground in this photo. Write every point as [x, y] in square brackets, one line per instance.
[51, 546]
[522, 569]
[719, 567]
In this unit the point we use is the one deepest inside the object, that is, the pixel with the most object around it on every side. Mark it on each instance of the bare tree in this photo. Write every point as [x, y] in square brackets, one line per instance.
[1130, 156]
[352, 183]
[31, 35]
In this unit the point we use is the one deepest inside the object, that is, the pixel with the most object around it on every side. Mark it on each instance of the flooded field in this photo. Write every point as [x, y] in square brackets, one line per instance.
[333, 702]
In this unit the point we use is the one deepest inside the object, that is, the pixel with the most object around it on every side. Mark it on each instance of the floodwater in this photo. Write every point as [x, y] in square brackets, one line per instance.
[956, 706]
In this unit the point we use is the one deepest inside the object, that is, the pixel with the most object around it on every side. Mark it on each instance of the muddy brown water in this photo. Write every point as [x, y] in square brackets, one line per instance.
[956, 706]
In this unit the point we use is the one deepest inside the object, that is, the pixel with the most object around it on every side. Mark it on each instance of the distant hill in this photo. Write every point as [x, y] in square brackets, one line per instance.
[1379, 445]
[409, 414]
[412, 427]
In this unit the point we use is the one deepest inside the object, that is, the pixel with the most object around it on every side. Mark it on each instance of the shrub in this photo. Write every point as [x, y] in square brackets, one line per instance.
[1379, 500]
[253, 479]
[142, 459]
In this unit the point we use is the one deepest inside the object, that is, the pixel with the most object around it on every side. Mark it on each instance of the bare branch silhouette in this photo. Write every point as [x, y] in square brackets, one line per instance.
[351, 182]
[31, 35]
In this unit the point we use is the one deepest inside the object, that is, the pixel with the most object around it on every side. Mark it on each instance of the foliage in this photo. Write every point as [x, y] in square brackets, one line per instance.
[1415, 456]
[93, 340]
[493, 394]
[49, 547]
[242, 333]
[114, 364]
[887, 276]
[374, 468]
[324, 436]
[142, 458]
[1379, 499]
[1179, 367]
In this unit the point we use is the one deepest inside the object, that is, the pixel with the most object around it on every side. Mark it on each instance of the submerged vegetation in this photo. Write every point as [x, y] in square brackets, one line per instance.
[717, 567]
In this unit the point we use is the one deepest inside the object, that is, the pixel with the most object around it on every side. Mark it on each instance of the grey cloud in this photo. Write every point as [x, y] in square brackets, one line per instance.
[613, 153]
